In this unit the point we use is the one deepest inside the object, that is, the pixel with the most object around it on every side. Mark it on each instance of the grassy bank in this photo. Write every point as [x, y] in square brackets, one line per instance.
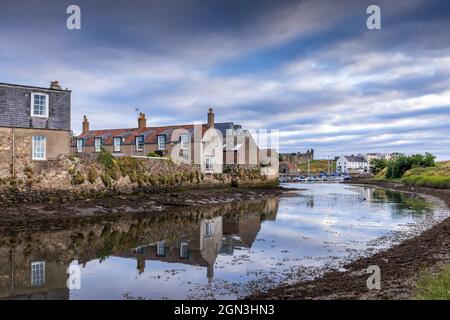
[433, 177]
[435, 287]
[316, 166]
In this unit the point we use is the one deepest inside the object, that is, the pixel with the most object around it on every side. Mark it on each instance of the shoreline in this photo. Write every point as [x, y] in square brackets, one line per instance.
[401, 265]
[135, 204]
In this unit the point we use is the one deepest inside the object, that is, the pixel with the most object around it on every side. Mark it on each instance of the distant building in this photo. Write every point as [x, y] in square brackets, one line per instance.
[298, 157]
[288, 168]
[379, 156]
[352, 164]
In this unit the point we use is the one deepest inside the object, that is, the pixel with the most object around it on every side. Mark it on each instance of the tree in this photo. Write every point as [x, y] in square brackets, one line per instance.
[376, 165]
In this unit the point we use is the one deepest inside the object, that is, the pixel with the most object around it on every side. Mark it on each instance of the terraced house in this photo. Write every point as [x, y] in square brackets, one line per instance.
[34, 126]
[209, 145]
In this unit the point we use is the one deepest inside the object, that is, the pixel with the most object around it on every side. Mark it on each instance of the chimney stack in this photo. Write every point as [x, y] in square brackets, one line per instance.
[142, 121]
[210, 118]
[85, 125]
[55, 85]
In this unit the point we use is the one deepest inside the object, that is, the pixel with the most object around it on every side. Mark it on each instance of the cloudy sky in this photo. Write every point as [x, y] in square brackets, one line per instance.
[311, 69]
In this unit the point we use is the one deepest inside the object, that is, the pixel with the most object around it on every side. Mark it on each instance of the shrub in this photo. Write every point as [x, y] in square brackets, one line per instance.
[377, 165]
[397, 167]
[78, 179]
[153, 154]
[92, 175]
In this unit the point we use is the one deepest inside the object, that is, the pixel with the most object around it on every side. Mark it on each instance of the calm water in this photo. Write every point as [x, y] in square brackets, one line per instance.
[220, 252]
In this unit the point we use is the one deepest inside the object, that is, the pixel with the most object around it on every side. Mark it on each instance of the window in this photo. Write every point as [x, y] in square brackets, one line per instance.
[185, 141]
[98, 144]
[80, 143]
[139, 250]
[185, 155]
[37, 274]
[209, 161]
[184, 250]
[38, 147]
[160, 249]
[39, 105]
[209, 229]
[117, 144]
[162, 142]
[140, 143]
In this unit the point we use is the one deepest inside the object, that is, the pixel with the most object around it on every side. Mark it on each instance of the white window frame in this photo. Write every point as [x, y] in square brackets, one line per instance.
[209, 163]
[117, 146]
[137, 144]
[161, 248]
[98, 146]
[209, 229]
[46, 106]
[186, 155]
[80, 145]
[37, 273]
[160, 143]
[186, 246]
[39, 152]
[185, 140]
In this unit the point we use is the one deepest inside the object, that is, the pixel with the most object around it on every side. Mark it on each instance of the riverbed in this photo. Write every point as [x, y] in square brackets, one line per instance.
[220, 252]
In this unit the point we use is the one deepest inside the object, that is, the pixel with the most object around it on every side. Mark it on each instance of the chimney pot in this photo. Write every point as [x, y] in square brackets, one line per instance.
[55, 85]
[210, 118]
[85, 124]
[142, 121]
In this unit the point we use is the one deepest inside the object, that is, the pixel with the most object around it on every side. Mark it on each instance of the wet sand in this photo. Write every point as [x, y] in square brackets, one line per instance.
[400, 265]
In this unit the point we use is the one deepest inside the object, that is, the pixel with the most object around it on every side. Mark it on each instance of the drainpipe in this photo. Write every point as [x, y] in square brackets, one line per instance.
[13, 153]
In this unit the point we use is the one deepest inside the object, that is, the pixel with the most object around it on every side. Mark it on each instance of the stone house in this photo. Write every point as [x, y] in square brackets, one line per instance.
[288, 168]
[352, 164]
[298, 157]
[34, 126]
[210, 145]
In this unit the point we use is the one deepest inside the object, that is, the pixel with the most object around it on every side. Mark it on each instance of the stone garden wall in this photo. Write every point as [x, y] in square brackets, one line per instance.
[69, 178]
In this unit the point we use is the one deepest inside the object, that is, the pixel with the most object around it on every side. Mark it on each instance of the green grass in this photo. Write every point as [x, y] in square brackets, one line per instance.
[433, 177]
[436, 287]
[316, 166]
[439, 182]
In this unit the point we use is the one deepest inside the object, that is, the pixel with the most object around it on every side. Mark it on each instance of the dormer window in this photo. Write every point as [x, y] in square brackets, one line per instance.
[80, 143]
[162, 142]
[140, 143]
[98, 144]
[39, 105]
[117, 144]
[185, 140]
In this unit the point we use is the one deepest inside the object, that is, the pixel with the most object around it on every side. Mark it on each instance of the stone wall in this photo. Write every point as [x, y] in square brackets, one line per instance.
[58, 142]
[71, 177]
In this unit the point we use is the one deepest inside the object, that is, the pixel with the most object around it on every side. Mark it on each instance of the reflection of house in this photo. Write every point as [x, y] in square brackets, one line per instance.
[25, 277]
[197, 244]
[240, 231]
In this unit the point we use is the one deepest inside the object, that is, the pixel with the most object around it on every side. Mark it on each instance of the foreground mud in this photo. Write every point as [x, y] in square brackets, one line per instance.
[139, 204]
[400, 266]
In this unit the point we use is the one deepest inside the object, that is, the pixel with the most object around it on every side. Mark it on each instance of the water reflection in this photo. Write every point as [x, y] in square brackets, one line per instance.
[172, 255]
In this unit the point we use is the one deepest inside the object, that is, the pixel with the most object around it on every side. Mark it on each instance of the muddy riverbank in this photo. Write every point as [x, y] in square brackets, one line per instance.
[137, 204]
[400, 265]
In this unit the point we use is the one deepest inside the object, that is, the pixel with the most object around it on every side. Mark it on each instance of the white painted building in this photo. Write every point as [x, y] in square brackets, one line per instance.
[352, 164]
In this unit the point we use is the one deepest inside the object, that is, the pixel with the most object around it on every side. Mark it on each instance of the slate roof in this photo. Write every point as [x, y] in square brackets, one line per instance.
[355, 158]
[150, 133]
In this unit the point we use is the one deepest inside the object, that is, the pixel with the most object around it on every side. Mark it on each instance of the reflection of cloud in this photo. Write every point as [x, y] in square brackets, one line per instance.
[309, 68]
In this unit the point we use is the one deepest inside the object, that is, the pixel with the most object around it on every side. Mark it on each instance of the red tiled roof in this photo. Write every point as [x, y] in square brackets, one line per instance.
[150, 134]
